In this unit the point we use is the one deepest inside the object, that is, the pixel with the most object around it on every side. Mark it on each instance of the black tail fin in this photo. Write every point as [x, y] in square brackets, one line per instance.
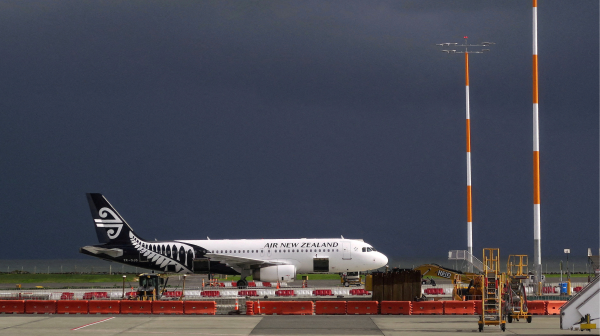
[111, 228]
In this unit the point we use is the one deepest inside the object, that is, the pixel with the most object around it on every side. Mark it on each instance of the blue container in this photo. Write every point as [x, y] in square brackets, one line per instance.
[563, 287]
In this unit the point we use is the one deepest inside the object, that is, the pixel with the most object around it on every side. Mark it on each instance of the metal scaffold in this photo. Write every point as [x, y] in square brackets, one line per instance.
[492, 313]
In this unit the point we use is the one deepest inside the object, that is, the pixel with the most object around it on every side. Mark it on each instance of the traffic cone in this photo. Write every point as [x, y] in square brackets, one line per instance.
[236, 304]
[202, 283]
[257, 310]
[277, 285]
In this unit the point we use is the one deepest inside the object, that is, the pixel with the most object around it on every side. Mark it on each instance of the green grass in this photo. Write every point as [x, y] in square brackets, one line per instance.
[62, 278]
[565, 276]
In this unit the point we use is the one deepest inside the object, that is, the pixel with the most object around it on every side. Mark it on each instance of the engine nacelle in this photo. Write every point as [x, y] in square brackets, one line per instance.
[281, 273]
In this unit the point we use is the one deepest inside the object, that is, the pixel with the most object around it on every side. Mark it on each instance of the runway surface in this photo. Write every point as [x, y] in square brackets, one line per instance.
[25, 325]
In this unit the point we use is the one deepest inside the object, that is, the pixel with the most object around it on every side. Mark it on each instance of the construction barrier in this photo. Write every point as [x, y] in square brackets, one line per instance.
[358, 291]
[12, 306]
[269, 308]
[67, 296]
[247, 293]
[95, 296]
[167, 307]
[428, 308]
[136, 307]
[396, 308]
[173, 294]
[104, 307]
[536, 307]
[459, 308]
[434, 291]
[323, 292]
[213, 293]
[285, 292]
[40, 307]
[553, 307]
[199, 307]
[330, 307]
[362, 307]
[72, 307]
[249, 307]
[478, 309]
[297, 308]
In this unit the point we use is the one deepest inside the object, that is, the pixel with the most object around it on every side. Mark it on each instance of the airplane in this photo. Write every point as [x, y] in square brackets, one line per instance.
[272, 260]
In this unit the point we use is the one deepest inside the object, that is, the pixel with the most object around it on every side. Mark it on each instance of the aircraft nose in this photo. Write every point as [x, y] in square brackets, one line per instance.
[382, 260]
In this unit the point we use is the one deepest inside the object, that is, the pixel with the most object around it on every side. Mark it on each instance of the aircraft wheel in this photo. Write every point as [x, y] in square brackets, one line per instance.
[529, 319]
[509, 319]
[242, 283]
[346, 284]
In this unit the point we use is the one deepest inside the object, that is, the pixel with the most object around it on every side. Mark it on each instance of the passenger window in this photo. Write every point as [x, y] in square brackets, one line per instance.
[364, 249]
[327, 250]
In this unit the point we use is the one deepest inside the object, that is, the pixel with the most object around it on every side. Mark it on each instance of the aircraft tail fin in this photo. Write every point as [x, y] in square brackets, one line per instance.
[111, 228]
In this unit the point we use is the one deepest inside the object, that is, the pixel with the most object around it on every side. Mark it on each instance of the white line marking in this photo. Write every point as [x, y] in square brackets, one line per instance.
[87, 325]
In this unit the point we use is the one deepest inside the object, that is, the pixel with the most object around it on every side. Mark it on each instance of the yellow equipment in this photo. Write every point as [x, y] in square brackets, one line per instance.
[515, 296]
[467, 286]
[492, 313]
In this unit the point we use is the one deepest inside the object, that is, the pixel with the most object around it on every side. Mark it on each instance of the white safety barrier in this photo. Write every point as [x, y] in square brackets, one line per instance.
[117, 293]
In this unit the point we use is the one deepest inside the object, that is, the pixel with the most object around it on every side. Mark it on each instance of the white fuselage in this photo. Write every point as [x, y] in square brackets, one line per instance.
[344, 255]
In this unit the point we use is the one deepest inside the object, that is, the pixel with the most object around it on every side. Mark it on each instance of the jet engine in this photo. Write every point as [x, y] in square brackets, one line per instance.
[281, 273]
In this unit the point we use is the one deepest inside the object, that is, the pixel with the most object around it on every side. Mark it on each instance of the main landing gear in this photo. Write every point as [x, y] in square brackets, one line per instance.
[242, 283]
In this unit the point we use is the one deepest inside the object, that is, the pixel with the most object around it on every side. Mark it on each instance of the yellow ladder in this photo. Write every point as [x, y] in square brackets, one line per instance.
[493, 283]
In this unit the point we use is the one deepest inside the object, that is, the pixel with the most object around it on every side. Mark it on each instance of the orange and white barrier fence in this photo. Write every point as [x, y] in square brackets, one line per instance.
[261, 307]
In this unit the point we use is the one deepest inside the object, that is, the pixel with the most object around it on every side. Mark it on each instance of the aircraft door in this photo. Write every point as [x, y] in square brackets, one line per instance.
[202, 265]
[347, 251]
[320, 264]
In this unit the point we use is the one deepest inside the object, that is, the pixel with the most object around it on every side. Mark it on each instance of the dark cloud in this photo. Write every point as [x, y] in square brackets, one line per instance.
[263, 119]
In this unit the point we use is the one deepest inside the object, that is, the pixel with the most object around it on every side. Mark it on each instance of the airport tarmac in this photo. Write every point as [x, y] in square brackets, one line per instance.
[26, 325]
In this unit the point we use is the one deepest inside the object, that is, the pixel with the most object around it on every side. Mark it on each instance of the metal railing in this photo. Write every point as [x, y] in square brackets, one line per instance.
[466, 256]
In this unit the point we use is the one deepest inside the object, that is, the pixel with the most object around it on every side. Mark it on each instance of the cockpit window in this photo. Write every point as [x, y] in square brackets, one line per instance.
[364, 249]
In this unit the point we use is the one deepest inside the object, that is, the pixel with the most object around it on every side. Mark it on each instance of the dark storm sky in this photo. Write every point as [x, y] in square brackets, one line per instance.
[288, 119]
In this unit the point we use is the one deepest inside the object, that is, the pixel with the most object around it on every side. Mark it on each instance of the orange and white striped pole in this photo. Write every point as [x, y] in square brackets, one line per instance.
[465, 46]
[537, 235]
[469, 205]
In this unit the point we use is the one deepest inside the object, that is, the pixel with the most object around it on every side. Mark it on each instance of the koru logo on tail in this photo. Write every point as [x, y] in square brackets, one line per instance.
[110, 223]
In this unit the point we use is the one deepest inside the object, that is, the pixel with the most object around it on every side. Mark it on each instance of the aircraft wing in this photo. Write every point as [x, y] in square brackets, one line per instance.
[242, 262]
